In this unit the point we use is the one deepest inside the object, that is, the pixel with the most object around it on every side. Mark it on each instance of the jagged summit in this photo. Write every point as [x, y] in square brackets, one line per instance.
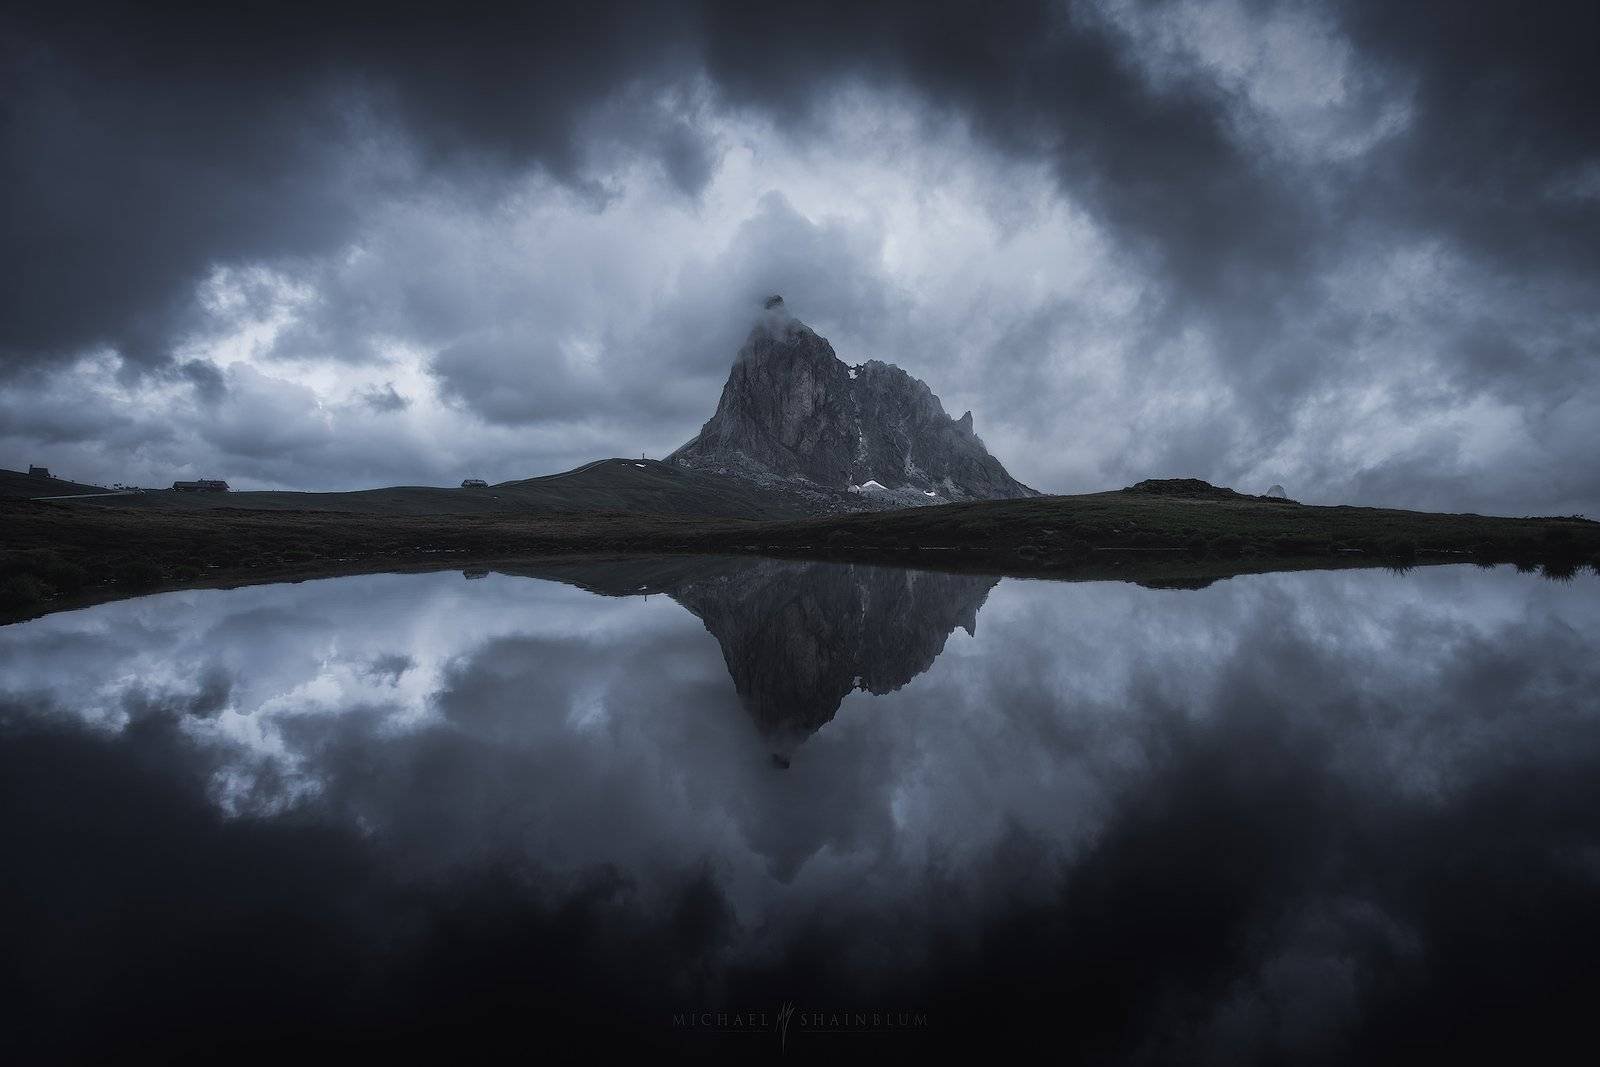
[792, 410]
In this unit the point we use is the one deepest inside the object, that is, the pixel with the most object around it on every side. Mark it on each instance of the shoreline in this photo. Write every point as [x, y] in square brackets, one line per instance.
[1174, 577]
[59, 556]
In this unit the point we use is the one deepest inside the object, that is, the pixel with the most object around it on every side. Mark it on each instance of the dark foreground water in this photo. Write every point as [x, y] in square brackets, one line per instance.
[756, 808]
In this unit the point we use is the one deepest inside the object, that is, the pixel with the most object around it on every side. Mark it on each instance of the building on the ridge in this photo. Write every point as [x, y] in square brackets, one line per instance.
[38, 472]
[474, 483]
[203, 485]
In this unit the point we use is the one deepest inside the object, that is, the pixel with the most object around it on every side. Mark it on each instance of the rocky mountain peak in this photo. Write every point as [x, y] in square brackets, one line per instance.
[792, 410]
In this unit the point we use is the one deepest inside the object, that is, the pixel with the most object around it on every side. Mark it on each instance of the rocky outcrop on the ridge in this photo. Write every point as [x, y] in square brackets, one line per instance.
[1196, 489]
[1185, 487]
[793, 411]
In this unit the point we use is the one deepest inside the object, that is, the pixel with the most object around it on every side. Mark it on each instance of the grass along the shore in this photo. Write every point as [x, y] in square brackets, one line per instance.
[53, 555]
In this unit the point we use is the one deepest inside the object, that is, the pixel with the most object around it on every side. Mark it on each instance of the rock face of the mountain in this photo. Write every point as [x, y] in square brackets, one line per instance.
[793, 411]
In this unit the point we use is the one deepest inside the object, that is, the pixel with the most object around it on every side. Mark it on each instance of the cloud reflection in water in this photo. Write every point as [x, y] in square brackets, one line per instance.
[1318, 814]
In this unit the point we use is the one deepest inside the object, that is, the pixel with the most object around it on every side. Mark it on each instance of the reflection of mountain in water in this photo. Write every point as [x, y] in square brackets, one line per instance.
[797, 637]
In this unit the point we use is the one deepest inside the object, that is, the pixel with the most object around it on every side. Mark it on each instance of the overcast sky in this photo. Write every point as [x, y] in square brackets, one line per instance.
[1352, 248]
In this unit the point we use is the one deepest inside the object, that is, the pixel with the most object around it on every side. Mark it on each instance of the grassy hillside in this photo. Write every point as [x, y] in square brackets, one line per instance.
[641, 486]
[55, 552]
[1202, 522]
[21, 484]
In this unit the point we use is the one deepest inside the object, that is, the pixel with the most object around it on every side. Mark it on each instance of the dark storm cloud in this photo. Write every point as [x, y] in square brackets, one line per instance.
[1042, 80]
[209, 383]
[390, 668]
[198, 134]
[55, 419]
[1504, 126]
[385, 399]
[129, 173]
[143, 144]
[143, 147]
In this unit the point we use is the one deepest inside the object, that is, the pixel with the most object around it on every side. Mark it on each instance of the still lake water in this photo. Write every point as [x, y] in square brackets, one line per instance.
[1322, 815]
